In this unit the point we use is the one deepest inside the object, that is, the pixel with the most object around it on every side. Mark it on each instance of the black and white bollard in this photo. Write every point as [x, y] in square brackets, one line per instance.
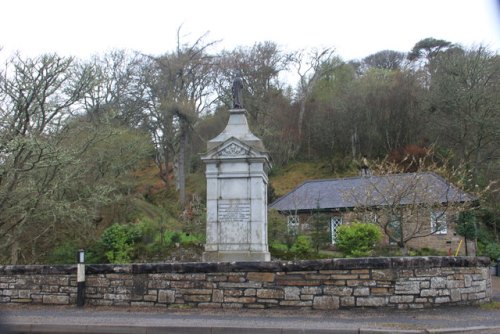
[80, 278]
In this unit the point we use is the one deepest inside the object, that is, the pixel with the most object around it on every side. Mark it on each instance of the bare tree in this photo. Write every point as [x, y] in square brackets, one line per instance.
[179, 90]
[409, 206]
[464, 104]
[37, 96]
[310, 67]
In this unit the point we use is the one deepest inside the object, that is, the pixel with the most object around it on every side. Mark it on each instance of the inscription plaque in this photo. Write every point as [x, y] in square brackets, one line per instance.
[232, 211]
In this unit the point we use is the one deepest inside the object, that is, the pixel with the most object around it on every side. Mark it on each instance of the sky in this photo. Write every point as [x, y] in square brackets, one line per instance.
[355, 28]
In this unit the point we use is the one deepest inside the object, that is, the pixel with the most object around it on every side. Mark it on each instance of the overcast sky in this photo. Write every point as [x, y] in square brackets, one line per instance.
[355, 28]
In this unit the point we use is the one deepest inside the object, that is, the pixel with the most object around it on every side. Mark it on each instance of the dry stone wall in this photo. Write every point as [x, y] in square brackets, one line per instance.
[419, 282]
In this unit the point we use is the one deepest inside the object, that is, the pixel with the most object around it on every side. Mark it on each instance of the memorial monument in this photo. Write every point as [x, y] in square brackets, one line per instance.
[236, 171]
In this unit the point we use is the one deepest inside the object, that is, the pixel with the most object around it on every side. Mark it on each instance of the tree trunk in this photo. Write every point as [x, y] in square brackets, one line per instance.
[181, 168]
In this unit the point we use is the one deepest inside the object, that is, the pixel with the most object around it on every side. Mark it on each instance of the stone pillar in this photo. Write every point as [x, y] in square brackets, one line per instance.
[236, 171]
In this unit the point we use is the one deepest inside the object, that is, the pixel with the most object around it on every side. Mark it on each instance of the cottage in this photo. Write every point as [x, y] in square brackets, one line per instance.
[414, 210]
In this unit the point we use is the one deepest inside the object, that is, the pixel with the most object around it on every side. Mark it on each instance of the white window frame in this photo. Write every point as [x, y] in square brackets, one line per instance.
[293, 223]
[439, 223]
[333, 231]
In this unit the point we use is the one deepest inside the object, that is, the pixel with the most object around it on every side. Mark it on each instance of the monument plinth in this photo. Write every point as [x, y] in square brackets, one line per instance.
[236, 171]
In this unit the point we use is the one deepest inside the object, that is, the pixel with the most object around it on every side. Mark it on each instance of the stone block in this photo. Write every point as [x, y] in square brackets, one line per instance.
[217, 296]
[197, 298]
[216, 278]
[150, 298]
[10, 293]
[425, 285]
[295, 303]
[429, 293]
[250, 292]
[347, 301]
[311, 290]
[429, 272]
[438, 283]
[401, 299]
[307, 297]
[166, 296]
[182, 284]
[55, 299]
[361, 283]
[326, 303]
[196, 291]
[480, 285]
[371, 301]
[99, 302]
[260, 277]
[346, 277]
[406, 288]
[292, 293]
[97, 281]
[380, 291]
[476, 296]
[233, 293]
[442, 300]
[383, 275]
[467, 281]
[157, 284]
[443, 292]
[243, 300]
[416, 306]
[24, 293]
[270, 293]
[455, 295]
[361, 292]
[243, 285]
[337, 291]
[268, 301]
[115, 296]
[37, 299]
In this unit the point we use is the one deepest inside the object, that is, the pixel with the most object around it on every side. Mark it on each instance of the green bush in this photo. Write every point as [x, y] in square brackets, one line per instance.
[119, 241]
[302, 248]
[63, 254]
[492, 250]
[357, 239]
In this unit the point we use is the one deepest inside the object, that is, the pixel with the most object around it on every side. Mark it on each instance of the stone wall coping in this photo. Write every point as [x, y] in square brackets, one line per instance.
[272, 266]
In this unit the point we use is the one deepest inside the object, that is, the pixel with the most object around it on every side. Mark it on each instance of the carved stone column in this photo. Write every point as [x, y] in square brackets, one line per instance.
[236, 171]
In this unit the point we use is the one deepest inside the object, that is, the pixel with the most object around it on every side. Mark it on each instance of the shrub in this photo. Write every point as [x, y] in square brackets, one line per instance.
[357, 239]
[63, 254]
[492, 250]
[302, 248]
[119, 240]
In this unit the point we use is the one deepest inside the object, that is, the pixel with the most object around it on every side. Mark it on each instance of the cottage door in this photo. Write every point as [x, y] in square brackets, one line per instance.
[335, 222]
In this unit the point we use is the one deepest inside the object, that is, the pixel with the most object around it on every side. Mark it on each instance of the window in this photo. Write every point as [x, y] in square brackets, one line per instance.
[293, 224]
[335, 222]
[438, 222]
[394, 229]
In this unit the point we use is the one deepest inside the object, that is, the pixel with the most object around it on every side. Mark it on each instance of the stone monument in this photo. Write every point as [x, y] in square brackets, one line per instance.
[236, 171]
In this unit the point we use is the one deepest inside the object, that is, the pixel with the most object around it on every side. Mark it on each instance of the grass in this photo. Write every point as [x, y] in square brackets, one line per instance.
[491, 306]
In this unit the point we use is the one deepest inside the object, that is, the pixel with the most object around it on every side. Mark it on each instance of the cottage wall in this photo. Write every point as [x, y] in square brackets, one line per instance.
[419, 282]
[447, 243]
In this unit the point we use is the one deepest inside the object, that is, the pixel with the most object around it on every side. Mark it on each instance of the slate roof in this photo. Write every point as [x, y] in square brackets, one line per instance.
[371, 191]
